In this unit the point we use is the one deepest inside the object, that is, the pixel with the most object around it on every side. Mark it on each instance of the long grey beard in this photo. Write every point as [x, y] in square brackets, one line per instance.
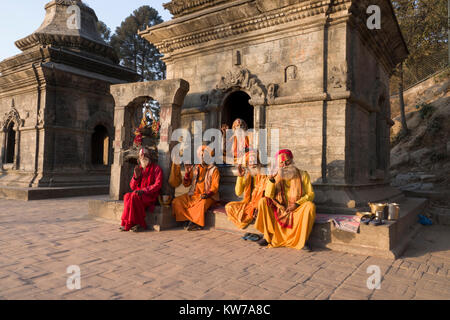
[288, 173]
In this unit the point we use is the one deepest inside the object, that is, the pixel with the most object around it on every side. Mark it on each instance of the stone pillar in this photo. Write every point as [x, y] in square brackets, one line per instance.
[120, 169]
[259, 117]
[17, 149]
[2, 147]
[259, 120]
[170, 120]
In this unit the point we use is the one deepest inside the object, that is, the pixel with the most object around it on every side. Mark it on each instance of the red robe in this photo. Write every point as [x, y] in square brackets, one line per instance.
[134, 205]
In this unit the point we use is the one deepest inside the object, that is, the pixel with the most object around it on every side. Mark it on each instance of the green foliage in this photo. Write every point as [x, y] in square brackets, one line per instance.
[425, 110]
[104, 31]
[424, 27]
[135, 52]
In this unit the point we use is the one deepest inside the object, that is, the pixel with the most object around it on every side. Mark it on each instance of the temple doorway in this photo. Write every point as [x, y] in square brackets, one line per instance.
[10, 144]
[235, 106]
[100, 146]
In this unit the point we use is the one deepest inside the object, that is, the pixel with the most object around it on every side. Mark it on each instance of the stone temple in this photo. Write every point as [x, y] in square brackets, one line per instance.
[312, 69]
[56, 110]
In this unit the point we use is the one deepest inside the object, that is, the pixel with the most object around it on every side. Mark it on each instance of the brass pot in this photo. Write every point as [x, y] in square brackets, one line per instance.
[377, 207]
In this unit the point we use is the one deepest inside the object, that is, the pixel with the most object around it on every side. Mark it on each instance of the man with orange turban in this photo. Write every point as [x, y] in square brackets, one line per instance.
[286, 216]
[203, 180]
[252, 185]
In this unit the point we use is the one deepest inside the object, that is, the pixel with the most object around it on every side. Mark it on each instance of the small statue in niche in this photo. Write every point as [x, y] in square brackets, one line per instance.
[291, 73]
[146, 135]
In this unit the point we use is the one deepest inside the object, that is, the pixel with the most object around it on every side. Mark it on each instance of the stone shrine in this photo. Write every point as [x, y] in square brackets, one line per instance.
[311, 69]
[56, 110]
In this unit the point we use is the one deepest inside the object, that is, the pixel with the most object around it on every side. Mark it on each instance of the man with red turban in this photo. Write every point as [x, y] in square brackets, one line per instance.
[286, 216]
[146, 185]
[203, 180]
[251, 184]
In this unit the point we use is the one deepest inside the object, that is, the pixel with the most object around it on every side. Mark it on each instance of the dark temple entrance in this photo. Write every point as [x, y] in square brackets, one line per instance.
[237, 106]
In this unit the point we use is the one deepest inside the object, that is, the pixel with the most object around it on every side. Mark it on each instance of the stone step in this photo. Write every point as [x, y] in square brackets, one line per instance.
[28, 194]
[387, 241]
[439, 215]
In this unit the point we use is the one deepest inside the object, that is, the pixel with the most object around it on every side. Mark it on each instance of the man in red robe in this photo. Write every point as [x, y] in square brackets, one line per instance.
[146, 185]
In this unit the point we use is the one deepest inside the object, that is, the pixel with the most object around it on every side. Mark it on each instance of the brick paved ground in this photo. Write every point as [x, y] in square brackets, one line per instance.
[39, 240]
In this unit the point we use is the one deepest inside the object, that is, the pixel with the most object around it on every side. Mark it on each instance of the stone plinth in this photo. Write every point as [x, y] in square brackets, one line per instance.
[29, 194]
[158, 220]
[386, 241]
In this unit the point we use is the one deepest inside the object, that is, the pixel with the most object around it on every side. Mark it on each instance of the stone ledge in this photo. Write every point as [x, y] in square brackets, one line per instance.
[386, 241]
[111, 210]
[28, 194]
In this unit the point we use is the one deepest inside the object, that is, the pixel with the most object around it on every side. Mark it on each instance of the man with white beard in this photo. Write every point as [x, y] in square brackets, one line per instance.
[146, 185]
[252, 185]
[286, 215]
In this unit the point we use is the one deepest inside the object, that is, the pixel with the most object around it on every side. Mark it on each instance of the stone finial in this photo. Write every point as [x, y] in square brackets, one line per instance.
[69, 24]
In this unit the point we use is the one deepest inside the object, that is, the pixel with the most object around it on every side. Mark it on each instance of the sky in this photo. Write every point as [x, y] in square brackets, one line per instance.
[19, 19]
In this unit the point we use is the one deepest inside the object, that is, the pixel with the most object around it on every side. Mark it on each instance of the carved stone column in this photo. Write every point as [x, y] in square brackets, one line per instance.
[259, 117]
[17, 149]
[2, 147]
[170, 119]
[120, 169]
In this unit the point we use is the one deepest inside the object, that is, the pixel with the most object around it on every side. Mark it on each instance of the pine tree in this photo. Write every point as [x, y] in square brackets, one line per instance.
[104, 31]
[136, 53]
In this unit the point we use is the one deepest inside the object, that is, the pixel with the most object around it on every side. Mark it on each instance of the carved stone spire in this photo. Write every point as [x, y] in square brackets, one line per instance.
[70, 24]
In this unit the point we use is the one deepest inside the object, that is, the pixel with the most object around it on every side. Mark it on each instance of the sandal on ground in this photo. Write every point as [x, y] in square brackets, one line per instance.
[122, 229]
[137, 228]
[187, 224]
[263, 242]
[254, 237]
[195, 227]
[246, 236]
[366, 219]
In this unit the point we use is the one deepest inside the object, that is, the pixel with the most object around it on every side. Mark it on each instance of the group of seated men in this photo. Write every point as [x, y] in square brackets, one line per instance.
[281, 204]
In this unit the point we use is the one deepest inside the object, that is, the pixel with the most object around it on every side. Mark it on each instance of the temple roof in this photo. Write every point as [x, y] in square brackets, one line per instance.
[59, 29]
[181, 7]
[199, 22]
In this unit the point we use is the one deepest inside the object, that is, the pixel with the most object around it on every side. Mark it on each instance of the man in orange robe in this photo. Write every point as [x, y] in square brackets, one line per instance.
[203, 180]
[146, 185]
[287, 215]
[252, 185]
[240, 140]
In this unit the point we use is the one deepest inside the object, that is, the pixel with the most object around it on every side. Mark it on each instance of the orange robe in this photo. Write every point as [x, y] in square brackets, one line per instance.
[242, 213]
[281, 229]
[240, 148]
[190, 206]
